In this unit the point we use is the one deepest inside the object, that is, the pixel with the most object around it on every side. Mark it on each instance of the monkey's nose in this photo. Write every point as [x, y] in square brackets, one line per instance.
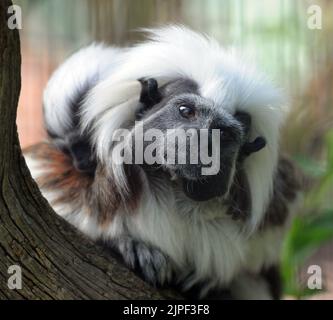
[225, 132]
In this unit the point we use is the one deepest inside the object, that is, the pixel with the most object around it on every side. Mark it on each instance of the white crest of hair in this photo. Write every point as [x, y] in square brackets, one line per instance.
[175, 51]
[63, 86]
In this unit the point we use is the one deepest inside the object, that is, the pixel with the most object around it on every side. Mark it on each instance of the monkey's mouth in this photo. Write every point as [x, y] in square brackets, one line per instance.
[206, 188]
[203, 188]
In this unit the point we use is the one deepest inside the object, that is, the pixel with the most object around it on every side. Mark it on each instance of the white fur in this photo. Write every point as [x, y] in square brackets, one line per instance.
[88, 65]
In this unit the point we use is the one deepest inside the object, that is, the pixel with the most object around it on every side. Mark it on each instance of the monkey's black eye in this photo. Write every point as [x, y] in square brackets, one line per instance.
[187, 112]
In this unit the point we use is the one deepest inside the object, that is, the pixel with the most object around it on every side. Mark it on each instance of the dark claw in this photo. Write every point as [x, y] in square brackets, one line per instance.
[252, 147]
[150, 94]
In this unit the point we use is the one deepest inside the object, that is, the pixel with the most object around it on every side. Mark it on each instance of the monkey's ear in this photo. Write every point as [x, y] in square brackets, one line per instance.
[150, 94]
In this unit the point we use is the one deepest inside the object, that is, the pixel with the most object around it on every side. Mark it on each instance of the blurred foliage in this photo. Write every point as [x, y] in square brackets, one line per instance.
[314, 224]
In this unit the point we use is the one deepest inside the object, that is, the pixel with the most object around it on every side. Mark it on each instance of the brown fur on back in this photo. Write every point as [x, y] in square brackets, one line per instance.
[95, 194]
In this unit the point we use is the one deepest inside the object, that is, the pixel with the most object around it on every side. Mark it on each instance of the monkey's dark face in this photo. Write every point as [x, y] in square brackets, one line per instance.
[201, 145]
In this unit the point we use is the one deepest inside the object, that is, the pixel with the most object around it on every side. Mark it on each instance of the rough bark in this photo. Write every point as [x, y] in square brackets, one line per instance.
[57, 262]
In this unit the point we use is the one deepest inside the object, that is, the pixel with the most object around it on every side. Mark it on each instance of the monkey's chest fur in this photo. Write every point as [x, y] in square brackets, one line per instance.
[167, 237]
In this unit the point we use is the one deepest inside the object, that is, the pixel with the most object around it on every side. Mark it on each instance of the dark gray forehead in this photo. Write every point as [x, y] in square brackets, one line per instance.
[179, 86]
[185, 91]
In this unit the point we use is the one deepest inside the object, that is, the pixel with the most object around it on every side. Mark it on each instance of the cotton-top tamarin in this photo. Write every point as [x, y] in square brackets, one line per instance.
[210, 235]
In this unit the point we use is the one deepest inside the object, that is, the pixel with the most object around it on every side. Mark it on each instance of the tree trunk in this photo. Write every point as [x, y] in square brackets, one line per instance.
[57, 261]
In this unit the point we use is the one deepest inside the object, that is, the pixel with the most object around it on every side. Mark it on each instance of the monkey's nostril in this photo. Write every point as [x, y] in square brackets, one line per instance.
[226, 135]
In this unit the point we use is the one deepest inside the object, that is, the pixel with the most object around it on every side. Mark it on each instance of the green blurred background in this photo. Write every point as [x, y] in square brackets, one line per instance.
[274, 32]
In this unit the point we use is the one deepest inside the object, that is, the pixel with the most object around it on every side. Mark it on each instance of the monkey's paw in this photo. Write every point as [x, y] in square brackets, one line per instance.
[153, 265]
